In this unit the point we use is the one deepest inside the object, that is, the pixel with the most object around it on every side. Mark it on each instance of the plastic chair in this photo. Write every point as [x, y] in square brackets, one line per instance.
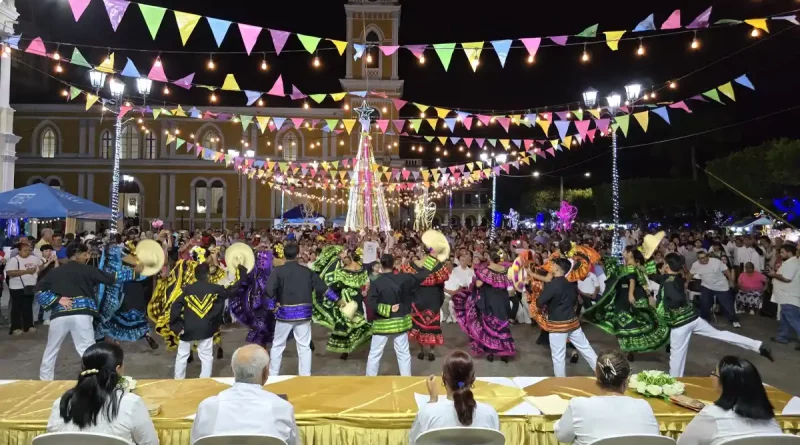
[636, 439]
[461, 436]
[76, 438]
[240, 439]
[772, 439]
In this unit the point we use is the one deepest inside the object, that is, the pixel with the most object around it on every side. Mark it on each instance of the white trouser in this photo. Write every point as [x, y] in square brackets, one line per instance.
[679, 342]
[558, 350]
[400, 349]
[79, 327]
[205, 351]
[302, 338]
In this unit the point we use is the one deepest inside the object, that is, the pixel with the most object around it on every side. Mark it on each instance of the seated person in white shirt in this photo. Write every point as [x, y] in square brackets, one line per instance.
[459, 409]
[742, 409]
[588, 419]
[246, 407]
[98, 405]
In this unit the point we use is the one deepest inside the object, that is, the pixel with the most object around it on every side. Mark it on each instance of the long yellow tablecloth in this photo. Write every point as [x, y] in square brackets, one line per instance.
[344, 410]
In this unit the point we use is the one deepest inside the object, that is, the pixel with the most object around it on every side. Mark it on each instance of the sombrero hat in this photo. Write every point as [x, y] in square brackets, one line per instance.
[151, 255]
[349, 309]
[239, 254]
[435, 241]
[650, 244]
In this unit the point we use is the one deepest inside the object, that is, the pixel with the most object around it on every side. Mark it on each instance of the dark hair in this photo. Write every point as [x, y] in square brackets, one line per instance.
[675, 261]
[75, 249]
[496, 254]
[458, 374]
[564, 246]
[96, 389]
[387, 261]
[45, 247]
[290, 250]
[563, 263]
[789, 248]
[352, 253]
[613, 370]
[201, 272]
[742, 389]
[637, 255]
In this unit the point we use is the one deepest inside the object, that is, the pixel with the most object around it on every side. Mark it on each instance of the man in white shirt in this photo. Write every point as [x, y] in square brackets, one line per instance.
[246, 407]
[715, 281]
[786, 293]
[588, 288]
[22, 271]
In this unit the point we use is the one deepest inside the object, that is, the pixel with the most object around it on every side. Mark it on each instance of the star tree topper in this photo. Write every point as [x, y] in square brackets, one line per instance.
[364, 115]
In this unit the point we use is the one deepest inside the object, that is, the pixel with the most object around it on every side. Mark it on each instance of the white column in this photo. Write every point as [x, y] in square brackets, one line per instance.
[81, 189]
[8, 141]
[162, 195]
[90, 149]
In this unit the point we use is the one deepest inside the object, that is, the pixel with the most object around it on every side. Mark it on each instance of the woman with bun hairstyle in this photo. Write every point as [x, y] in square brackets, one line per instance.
[99, 404]
[459, 408]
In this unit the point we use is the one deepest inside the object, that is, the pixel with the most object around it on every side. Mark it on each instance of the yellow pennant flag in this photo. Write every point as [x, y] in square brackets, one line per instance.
[526, 160]
[758, 23]
[727, 90]
[340, 45]
[432, 122]
[421, 107]
[442, 139]
[425, 174]
[470, 166]
[263, 123]
[230, 84]
[170, 138]
[567, 142]
[442, 112]
[643, 118]
[506, 143]
[186, 23]
[179, 112]
[545, 124]
[595, 112]
[338, 96]
[473, 52]
[515, 119]
[487, 172]
[108, 65]
[349, 124]
[436, 175]
[612, 39]
[228, 160]
[90, 100]
[480, 164]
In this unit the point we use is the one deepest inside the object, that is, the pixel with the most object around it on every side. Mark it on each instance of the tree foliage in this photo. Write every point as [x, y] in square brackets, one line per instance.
[761, 171]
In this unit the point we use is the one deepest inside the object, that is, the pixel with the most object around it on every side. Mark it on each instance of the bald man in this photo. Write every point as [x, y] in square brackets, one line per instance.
[246, 407]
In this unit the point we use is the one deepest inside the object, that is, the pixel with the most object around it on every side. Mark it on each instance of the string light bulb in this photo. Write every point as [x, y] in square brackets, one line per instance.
[260, 102]
[755, 32]
[422, 59]
[57, 56]
[139, 121]
[384, 110]
[213, 97]
[59, 69]
[673, 85]
[65, 93]
[264, 65]
[369, 58]
[346, 107]
[640, 51]
[585, 56]
[305, 105]
[211, 65]
[695, 42]
[166, 90]
[422, 114]
[530, 58]
[316, 62]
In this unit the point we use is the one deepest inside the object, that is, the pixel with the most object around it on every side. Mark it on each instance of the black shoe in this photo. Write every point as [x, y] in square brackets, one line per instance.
[220, 353]
[630, 357]
[343, 356]
[151, 342]
[766, 352]
[504, 359]
[668, 349]
[574, 358]
[431, 357]
[775, 340]
[490, 358]
[311, 345]
[191, 358]
[421, 355]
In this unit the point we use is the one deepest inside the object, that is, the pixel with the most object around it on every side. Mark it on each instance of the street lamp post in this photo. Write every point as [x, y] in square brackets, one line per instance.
[499, 159]
[182, 208]
[117, 90]
[614, 100]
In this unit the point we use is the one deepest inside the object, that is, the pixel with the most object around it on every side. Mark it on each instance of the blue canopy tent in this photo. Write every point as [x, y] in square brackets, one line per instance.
[44, 202]
[294, 217]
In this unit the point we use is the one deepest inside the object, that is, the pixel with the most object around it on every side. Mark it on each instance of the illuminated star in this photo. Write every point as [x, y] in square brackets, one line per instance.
[364, 111]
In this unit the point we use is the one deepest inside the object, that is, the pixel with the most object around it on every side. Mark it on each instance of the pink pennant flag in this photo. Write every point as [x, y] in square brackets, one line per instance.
[249, 36]
[185, 82]
[674, 20]
[277, 89]
[559, 40]
[157, 72]
[399, 124]
[484, 118]
[602, 124]
[552, 151]
[123, 110]
[198, 149]
[399, 103]
[37, 47]
[297, 121]
[467, 121]
[532, 44]
[701, 21]
[417, 50]
[624, 109]
[583, 127]
[590, 134]
[78, 6]
[388, 50]
[504, 167]
[278, 39]
[468, 141]
[682, 105]
[563, 115]
[383, 124]
[504, 122]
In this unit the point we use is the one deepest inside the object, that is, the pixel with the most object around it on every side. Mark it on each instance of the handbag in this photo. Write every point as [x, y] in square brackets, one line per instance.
[26, 290]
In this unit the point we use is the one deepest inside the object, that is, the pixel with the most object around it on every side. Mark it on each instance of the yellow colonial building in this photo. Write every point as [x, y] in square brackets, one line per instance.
[64, 146]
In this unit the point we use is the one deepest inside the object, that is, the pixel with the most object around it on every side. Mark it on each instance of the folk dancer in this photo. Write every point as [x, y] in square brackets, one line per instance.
[683, 319]
[68, 291]
[196, 316]
[251, 305]
[291, 288]
[560, 297]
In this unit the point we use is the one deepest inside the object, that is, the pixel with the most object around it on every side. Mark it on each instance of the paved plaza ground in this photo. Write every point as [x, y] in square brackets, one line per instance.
[20, 356]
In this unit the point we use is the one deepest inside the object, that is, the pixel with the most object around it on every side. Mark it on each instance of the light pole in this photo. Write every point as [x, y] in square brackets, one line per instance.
[614, 100]
[181, 209]
[117, 90]
[499, 159]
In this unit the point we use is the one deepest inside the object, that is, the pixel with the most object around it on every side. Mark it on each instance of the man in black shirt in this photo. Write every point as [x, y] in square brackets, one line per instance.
[560, 297]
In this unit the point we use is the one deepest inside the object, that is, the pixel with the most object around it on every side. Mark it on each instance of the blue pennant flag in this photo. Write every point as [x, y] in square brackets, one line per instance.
[252, 96]
[744, 81]
[130, 70]
[219, 28]
[501, 47]
[562, 126]
[645, 25]
[278, 121]
[663, 112]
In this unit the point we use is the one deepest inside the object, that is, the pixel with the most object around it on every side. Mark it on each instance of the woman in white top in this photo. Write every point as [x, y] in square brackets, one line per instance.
[588, 419]
[742, 409]
[98, 405]
[459, 409]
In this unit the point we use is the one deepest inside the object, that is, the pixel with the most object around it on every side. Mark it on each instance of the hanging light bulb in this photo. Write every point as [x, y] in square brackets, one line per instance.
[384, 110]
[191, 136]
[369, 58]
[57, 56]
[213, 97]
[346, 107]
[305, 105]
[695, 42]
[139, 121]
[316, 62]
[530, 58]
[640, 51]
[422, 114]
[143, 128]
[260, 102]
[65, 93]
[755, 32]
[264, 65]
[422, 59]
[211, 65]
[653, 95]
[673, 85]
[59, 69]
[585, 56]
[166, 90]
[157, 62]
[341, 142]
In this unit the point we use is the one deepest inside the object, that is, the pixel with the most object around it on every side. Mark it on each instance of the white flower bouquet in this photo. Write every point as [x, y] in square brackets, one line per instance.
[127, 383]
[656, 384]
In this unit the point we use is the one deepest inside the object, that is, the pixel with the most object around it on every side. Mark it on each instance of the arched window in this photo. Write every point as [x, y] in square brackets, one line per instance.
[130, 143]
[201, 200]
[106, 145]
[150, 146]
[289, 146]
[48, 143]
[55, 183]
[217, 197]
[373, 54]
[212, 141]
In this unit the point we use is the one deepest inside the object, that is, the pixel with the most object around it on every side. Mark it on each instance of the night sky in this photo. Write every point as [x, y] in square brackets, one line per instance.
[557, 76]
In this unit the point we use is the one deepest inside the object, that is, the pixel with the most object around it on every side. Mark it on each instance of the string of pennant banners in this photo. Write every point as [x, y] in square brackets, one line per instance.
[187, 22]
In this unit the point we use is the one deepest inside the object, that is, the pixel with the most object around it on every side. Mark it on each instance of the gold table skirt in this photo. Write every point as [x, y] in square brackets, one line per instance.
[346, 410]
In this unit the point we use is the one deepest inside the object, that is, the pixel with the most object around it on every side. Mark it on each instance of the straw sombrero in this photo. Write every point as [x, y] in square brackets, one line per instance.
[151, 255]
[349, 309]
[650, 244]
[437, 243]
[239, 254]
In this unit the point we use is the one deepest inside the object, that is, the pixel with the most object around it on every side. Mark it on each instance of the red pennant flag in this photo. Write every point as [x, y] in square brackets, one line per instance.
[583, 127]
[399, 103]
[399, 124]
[590, 134]
[504, 122]
[468, 141]
[682, 105]
[383, 124]
[467, 122]
[484, 118]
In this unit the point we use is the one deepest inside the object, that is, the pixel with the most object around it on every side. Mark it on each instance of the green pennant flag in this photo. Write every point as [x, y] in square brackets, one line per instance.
[624, 121]
[318, 98]
[492, 142]
[415, 123]
[156, 113]
[332, 123]
[589, 32]
[309, 42]
[445, 52]
[178, 143]
[713, 94]
[429, 138]
[152, 16]
[74, 92]
[728, 22]
[578, 114]
[246, 120]
[165, 111]
[78, 59]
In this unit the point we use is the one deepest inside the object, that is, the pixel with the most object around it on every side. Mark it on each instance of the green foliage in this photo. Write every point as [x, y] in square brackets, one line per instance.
[760, 171]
